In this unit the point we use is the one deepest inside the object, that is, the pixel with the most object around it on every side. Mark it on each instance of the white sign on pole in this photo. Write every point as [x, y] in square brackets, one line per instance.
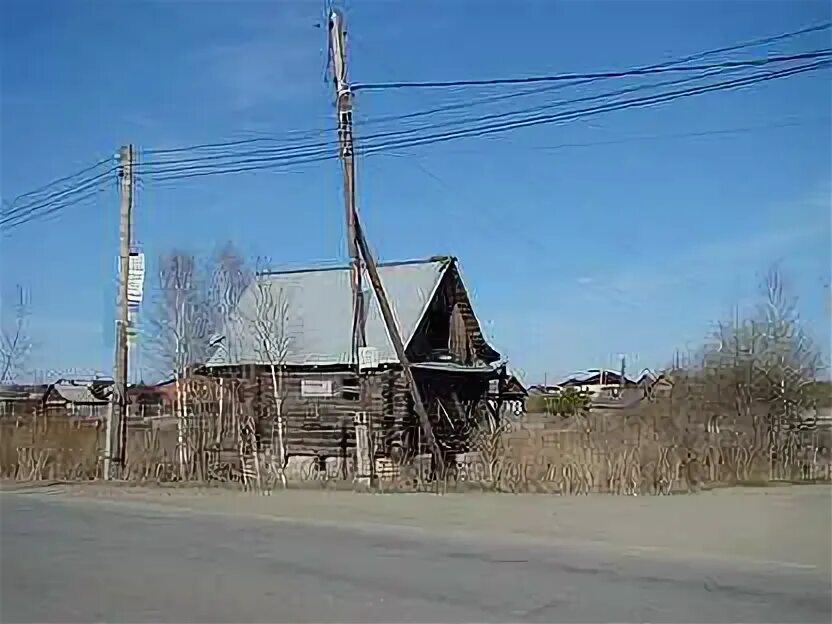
[135, 278]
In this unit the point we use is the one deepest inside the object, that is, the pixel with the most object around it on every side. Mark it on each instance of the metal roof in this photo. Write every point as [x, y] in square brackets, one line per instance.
[77, 393]
[452, 367]
[319, 313]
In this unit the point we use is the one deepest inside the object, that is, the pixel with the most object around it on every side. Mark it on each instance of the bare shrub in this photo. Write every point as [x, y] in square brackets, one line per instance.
[15, 341]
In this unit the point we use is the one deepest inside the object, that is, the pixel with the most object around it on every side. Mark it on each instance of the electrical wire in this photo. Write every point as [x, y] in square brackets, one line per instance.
[163, 166]
[327, 151]
[23, 219]
[495, 98]
[56, 198]
[557, 104]
[571, 115]
[792, 123]
[262, 164]
[686, 135]
[242, 160]
[222, 158]
[283, 162]
[313, 150]
[538, 90]
[55, 182]
[369, 86]
[224, 144]
[274, 162]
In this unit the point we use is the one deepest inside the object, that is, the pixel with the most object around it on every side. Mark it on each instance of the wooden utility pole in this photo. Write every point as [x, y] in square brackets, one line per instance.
[398, 345]
[356, 242]
[343, 104]
[117, 415]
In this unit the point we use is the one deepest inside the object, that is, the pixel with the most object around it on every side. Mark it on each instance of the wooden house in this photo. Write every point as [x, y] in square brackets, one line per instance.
[20, 401]
[149, 401]
[319, 388]
[508, 395]
[87, 399]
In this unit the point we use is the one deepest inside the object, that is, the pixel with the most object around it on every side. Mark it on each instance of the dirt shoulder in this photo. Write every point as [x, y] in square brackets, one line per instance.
[787, 526]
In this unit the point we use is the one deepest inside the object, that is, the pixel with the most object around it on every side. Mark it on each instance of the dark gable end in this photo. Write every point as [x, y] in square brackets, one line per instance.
[449, 326]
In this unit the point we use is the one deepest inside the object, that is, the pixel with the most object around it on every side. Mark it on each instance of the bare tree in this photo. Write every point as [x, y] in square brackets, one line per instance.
[268, 323]
[179, 333]
[15, 342]
[756, 376]
[228, 278]
[193, 301]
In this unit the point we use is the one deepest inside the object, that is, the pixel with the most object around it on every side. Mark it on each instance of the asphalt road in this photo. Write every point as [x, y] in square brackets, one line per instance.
[84, 561]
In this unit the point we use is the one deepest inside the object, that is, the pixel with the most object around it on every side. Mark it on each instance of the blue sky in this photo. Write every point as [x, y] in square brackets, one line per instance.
[574, 255]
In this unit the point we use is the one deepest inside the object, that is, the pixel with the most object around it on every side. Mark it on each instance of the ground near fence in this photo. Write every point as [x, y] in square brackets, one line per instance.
[777, 525]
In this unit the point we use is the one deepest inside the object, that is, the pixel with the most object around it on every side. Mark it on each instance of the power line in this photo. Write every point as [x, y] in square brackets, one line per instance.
[166, 166]
[686, 135]
[210, 162]
[571, 115]
[242, 162]
[607, 74]
[226, 144]
[55, 182]
[758, 42]
[260, 164]
[495, 98]
[23, 219]
[53, 199]
[701, 133]
[541, 108]
[318, 155]
[327, 150]
[793, 123]
[222, 158]
[313, 150]
[538, 90]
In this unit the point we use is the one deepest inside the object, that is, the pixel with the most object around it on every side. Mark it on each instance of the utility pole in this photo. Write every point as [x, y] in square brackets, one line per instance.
[117, 415]
[398, 345]
[343, 105]
[356, 242]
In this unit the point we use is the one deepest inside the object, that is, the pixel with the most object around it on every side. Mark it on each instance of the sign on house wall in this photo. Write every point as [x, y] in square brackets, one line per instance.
[367, 358]
[316, 388]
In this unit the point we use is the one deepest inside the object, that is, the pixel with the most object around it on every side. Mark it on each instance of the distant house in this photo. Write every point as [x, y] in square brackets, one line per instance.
[148, 401]
[452, 362]
[601, 383]
[86, 399]
[655, 385]
[609, 389]
[508, 394]
[19, 400]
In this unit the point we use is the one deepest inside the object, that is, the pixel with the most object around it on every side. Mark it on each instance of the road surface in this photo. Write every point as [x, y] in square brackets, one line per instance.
[78, 560]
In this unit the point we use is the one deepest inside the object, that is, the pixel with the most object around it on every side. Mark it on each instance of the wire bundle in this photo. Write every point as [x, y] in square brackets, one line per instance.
[450, 122]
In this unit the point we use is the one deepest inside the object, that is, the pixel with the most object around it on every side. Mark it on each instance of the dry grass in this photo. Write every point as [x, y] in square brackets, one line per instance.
[608, 453]
[50, 448]
[621, 453]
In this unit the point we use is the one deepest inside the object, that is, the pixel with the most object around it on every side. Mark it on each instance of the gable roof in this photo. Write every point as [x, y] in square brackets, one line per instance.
[593, 378]
[95, 392]
[319, 312]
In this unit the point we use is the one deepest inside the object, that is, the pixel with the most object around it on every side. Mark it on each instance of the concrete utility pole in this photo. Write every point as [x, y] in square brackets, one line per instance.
[117, 415]
[357, 242]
